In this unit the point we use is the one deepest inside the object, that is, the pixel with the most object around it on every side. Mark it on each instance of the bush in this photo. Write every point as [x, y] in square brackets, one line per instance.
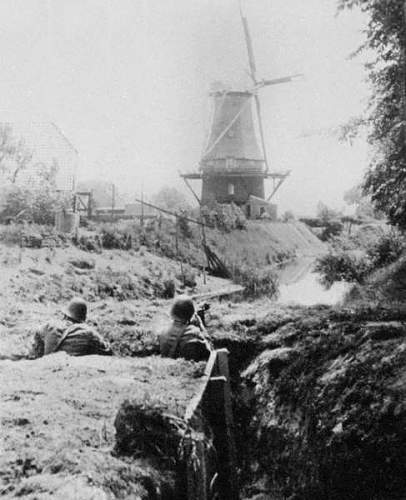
[32, 205]
[256, 282]
[342, 266]
[225, 217]
[330, 229]
[160, 280]
[12, 234]
[88, 243]
[184, 226]
[387, 249]
[114, 238]
[187, 277]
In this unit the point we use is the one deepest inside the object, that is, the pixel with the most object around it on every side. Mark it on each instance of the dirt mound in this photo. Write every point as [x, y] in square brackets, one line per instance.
[57, 419]
[327, 406]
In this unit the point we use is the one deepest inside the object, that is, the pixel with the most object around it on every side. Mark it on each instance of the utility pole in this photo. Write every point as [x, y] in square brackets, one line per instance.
[204, 241]
[113, 200]
[177, 246]
[142, 206]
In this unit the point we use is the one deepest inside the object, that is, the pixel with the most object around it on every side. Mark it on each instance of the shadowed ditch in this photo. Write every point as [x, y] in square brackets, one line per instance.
[320, 404]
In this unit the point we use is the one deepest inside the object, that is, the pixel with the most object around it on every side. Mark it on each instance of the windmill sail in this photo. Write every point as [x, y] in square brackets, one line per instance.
[250, 51]
[261, 131]
[233, 167]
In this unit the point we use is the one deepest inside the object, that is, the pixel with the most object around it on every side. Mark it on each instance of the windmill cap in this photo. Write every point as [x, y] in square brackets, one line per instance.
[183, 308]
[76, 310]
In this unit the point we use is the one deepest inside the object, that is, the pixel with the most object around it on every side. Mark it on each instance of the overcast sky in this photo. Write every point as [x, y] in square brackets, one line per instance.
[127, 82]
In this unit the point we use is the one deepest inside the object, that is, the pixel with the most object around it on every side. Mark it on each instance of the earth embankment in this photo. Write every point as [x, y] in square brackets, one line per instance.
[266, 242]
[57, 419]
[321, 403]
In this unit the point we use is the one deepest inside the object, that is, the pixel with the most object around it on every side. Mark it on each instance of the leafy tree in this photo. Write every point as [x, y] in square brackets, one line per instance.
[325, 213]
[386, 116]
[171, 199]
[364, 208]
[15, 156]
[36, 204]
[330, 221]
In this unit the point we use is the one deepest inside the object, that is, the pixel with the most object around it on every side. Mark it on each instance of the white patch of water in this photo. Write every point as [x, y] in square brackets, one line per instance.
[300, 285]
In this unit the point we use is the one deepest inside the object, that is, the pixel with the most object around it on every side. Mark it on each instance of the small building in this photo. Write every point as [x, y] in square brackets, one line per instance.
[138, 210]
[109, 211]
[258, 208]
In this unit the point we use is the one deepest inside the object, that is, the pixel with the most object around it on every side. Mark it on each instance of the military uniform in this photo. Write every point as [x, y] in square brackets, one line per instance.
[182, 340]
[76, 339]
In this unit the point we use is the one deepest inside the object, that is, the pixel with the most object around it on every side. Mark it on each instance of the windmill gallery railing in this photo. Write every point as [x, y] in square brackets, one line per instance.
[212, 407]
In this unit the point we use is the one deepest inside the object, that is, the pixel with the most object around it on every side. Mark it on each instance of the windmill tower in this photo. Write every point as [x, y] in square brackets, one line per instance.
[234, 165]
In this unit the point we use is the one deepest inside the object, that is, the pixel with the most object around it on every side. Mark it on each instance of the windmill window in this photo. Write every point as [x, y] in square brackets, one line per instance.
[231, 189]
[230, 163]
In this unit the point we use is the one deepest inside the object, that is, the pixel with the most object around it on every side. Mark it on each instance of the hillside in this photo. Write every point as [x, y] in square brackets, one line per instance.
[384, 286]
[264, 242]
[128, 292]
[259, 245]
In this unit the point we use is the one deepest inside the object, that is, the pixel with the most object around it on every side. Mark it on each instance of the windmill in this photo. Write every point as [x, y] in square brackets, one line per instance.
[233, 167]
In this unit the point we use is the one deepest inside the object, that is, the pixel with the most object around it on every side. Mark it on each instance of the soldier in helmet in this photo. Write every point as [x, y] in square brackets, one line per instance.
[185, 337]
[71, 334]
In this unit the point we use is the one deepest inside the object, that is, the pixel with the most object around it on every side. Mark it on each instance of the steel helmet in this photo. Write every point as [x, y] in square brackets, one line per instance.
[183, 308]
[76, 310]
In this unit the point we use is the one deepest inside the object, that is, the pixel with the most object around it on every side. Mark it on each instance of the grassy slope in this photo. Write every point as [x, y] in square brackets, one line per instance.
[385, 286]
[122, 288]
[260, 244]
[264, 242]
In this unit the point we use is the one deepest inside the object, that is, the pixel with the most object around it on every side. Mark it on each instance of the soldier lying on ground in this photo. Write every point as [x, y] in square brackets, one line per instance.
[71, 335]
[185, 337]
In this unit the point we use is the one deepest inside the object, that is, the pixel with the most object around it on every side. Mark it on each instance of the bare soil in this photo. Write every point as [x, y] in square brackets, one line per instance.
[57, 419]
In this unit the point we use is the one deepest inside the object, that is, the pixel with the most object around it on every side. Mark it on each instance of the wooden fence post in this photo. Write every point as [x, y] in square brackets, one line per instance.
[221, 421]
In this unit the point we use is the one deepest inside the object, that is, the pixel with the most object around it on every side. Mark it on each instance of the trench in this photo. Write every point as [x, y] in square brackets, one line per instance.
[299, 286]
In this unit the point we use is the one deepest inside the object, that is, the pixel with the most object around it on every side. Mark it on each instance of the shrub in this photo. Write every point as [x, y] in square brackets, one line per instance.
[12, 234]
[121, 286]
[187, 277]
[225, 217]
[88, 243]
[387, 249]
[330, 229]
[342, 266]
[184, 226]
[32, 205]
[256, 282]
[161, 281]
[168, 289]
[114, 238]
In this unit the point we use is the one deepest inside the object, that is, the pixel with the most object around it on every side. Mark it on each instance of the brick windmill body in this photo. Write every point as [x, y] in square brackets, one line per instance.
[234, 165]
